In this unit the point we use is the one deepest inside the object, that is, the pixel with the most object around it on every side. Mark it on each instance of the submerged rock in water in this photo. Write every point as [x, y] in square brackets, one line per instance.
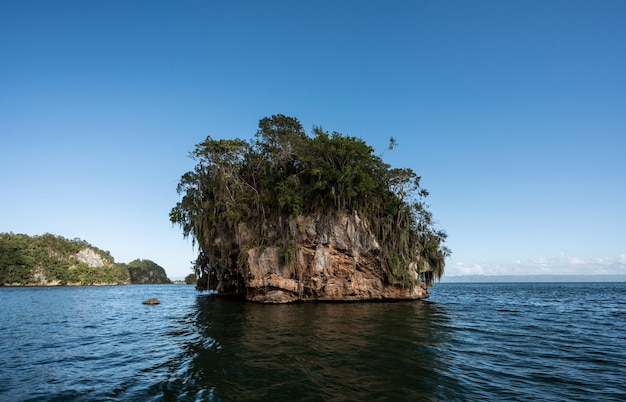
[153, 300]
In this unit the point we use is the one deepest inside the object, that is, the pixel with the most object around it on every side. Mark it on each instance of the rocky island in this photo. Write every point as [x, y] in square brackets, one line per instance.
[288, 217]
[146, 272]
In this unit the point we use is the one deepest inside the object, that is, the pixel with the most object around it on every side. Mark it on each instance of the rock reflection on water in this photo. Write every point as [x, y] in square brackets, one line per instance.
[351, 351]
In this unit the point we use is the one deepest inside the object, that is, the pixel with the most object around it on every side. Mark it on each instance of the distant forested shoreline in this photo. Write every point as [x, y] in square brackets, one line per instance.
[51, 260]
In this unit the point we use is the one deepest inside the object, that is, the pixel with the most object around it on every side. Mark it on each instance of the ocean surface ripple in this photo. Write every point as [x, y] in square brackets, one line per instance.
[468, 342]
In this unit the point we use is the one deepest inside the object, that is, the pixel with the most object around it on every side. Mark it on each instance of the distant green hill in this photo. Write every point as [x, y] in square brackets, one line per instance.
[146, 272]
[49, 260]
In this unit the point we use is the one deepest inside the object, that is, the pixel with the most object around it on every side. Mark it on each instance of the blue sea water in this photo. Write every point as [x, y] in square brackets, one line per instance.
[468, 342]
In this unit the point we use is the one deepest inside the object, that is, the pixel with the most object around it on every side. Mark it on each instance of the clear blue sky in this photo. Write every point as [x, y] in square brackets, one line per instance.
[513, 112]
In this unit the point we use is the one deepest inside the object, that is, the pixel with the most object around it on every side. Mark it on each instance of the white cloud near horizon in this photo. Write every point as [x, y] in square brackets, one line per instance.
[561, 265]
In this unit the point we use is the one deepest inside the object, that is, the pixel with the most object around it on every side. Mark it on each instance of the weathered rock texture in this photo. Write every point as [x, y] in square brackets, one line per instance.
[90, 257]
[336, 259]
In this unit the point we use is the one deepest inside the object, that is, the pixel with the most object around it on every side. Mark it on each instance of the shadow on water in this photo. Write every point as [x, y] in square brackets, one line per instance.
[351, 351]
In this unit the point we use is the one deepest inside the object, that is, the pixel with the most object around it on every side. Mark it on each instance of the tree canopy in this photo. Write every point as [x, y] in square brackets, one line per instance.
[242, 188]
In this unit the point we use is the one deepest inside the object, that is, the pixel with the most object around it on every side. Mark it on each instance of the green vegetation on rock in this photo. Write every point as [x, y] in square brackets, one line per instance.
[146, 272]
[190, 279]
[245, 194]
[50, 259]
[55, 260]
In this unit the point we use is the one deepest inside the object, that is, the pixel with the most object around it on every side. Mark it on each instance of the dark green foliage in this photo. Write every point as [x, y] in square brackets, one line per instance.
[245, 193]
[203, 273]
[15, 261]
[146, 272]
[190, 279]
[48, 258]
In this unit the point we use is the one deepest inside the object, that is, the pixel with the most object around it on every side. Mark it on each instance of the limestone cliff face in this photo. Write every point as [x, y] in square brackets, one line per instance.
[90, 257]
[335, 259]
